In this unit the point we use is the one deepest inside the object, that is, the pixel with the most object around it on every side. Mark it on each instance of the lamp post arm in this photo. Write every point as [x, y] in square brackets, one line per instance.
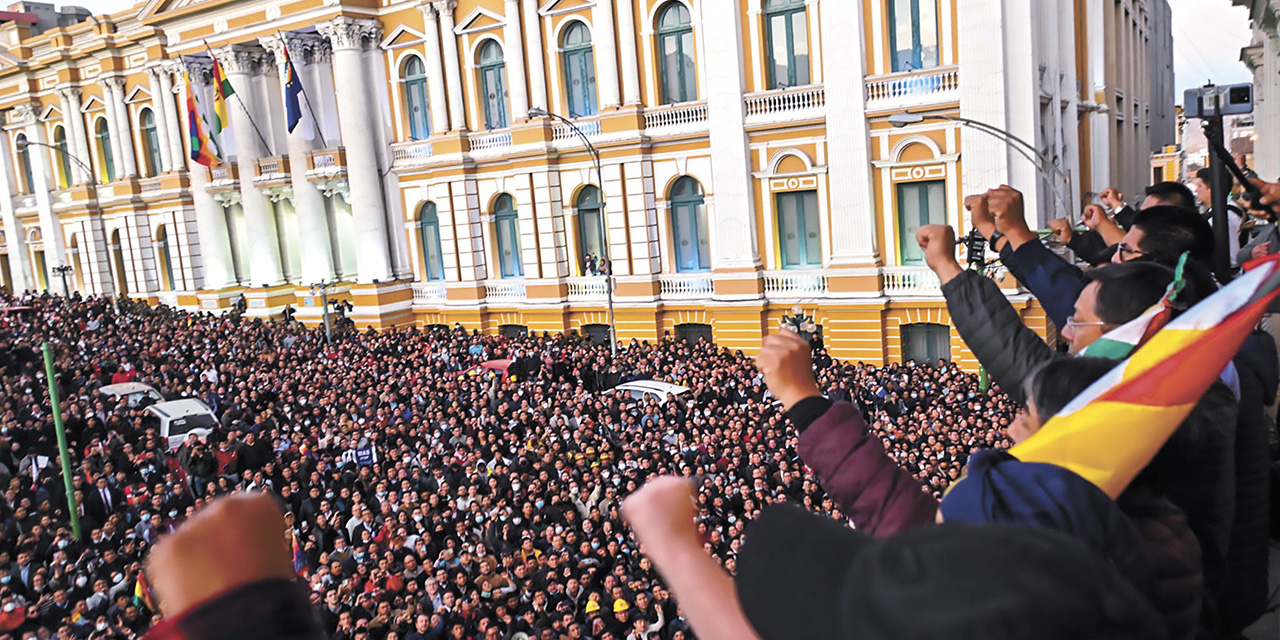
[81, 163]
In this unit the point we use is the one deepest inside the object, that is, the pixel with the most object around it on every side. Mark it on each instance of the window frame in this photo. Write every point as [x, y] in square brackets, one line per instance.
[807, 262]
[415, 85]
[789, 10]
[582, 56]
[106, 161]
[900, 191]
[24, 160]
[498, 68]
[61, 151]
[166, 259]
[505, 214]
[917, 46]
[150, 141]
[580, 209]
[429, 218]
[692, 205]
[677, 33]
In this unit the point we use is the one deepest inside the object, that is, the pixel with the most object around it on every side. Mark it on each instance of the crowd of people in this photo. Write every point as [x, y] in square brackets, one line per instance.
[427, 500]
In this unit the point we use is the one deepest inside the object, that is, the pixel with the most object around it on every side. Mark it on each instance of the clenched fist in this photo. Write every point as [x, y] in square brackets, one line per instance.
[787, 364]
[661, 513]
[1005, 204]
[1094, 216]
[1061, 229]
[939, 245]
[980, 215]
[1112, 198]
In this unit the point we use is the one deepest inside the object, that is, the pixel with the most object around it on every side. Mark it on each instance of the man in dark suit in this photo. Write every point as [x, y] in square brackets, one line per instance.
[102, 500]
[1117, 207]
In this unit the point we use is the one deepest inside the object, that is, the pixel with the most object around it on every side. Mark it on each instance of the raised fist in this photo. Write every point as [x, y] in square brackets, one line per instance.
[787, 364]
[939, 245]
[980, 215]
[1111, 198]
[1005, 204]
[1061, 229]
[1094, 216]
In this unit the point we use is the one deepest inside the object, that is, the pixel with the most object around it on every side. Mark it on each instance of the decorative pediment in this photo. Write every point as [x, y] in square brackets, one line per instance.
[139, 94]
[479, 20]
[403, 36]
[557, 7]
[51, 112]
[92, 104]
[158, 8]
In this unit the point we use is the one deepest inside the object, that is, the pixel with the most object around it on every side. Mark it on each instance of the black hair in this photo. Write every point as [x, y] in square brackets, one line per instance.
[1168, 232]
[1174, 194]
[1057, 382]
[1126, 291]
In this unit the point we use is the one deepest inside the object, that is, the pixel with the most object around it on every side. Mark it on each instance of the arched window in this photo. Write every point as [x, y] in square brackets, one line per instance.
[493, 84]
[788, 42]
[590, 229]
[106, 163]
[415, 98]
[675, 46]
[24, 162]
[689, 224]
[63, 160]
[429, 224]
[150, 142]
[166, 260]
[913, 34]
[579, 70]
[507, 222]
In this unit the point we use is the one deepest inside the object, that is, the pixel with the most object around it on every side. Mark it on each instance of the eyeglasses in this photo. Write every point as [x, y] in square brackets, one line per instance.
[1072, 322]
[1125, 249]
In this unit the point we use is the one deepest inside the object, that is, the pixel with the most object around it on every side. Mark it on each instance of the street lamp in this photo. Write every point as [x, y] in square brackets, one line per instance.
[23, 143]
[322, 289]
[537, 112]
[1028, 150]
[62, 270]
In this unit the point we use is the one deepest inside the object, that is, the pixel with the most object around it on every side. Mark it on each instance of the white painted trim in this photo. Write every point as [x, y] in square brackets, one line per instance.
[896, 155]
[551, 8]
[464, 25]
[388, 42]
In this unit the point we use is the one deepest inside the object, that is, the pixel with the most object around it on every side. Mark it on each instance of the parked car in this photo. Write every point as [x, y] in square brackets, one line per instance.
[642, 389]
[177, 419]
[132, 393]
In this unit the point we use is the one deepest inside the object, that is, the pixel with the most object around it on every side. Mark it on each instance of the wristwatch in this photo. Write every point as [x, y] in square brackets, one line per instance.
[995, 235]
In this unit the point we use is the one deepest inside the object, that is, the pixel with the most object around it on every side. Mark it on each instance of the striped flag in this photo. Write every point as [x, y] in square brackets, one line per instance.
[1115, 428]
[222, 89]
[299, 558]
[203, 151]
[142, 593]
[1120, 342]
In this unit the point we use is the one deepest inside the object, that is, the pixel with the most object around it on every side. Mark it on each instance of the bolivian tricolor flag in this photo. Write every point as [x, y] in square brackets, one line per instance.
[203, 150]
[221, 90]
[142, 593]
[1115, 428]
[300, 566]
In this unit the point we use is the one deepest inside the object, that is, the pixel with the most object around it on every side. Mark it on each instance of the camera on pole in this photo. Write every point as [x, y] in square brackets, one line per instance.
[1210, 103]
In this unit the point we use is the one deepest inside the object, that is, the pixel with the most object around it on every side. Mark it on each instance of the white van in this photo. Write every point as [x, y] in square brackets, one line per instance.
[132, 393]
[178, 419]
[643, 389]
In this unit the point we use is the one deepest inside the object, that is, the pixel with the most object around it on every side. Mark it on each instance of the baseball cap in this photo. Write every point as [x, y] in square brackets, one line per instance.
[801, 575]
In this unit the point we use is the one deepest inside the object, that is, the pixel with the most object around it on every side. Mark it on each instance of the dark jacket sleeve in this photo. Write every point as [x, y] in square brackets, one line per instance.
[994, 331]
[1054, 281]
[1088, 246]
[275, 609]
[851, 464]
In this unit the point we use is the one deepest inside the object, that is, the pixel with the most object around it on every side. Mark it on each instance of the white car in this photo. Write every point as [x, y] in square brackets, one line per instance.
[132, 393]
[178, 419]
[642, 389]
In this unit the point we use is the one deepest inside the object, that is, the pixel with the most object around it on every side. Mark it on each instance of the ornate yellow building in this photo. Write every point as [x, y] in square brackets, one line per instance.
[748, 163]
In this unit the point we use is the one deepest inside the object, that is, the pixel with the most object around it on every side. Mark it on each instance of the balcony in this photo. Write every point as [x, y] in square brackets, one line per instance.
[224, 183]
[504, 291]
[802, 103]
[588, 289]
[271, 172]
[686, 286]
[677, 118]
[902, 282]
[406, 155]
[428, 293]
[913, 89]
[225, 172]
[326, 164]
[563, 132]
[26, 201]
[490, 141]
[786, 285]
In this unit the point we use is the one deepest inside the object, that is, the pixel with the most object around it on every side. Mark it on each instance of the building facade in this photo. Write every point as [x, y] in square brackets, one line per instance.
[1262, 56]
[748, 162]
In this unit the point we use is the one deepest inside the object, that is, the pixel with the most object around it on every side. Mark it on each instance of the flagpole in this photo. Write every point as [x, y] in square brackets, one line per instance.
[245, 108]
[315, 121]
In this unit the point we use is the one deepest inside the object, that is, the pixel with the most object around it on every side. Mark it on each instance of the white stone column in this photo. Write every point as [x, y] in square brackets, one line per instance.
[357, 115]
[435, 70]
[241, 64]
[121, 132]
[534, 55]
[629, 53]
[213, 252]
[164, 128]
[50, 225]
[20, 274]
[113, 131]
[515, 62]
[308, 202]
[452, 70]
[77, 140]
[177, 151]
[849, 180]
[732, 210]
[606, 53]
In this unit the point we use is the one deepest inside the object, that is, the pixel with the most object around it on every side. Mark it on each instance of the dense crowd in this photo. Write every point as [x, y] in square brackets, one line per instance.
[425, 500]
